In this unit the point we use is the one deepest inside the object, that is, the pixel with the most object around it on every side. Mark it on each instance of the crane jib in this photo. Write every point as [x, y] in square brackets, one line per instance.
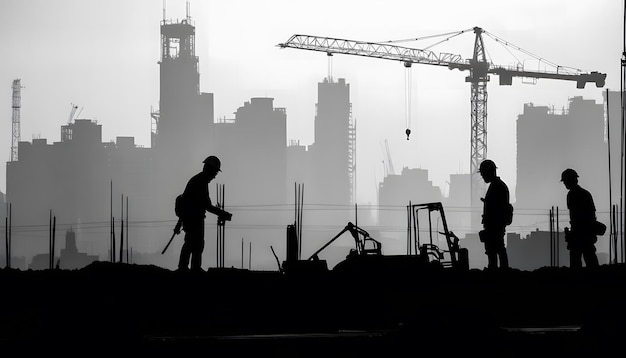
[408, 55]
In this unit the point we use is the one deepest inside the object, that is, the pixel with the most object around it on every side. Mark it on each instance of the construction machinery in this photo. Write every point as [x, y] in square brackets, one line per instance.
[367, 256]
[479, 70]
[455, 256]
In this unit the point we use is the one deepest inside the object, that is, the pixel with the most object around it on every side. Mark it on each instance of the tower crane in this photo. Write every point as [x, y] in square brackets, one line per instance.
[479, 70]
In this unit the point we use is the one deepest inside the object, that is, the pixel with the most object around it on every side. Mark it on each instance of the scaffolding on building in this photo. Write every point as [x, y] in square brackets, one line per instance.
[154, 126]
[17, 104]
[352, 154]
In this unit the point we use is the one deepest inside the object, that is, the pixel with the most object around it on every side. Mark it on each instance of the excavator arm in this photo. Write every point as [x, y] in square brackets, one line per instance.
[355, 231]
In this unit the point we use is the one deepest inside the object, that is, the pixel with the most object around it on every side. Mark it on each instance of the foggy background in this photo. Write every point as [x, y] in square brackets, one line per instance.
[102, 57]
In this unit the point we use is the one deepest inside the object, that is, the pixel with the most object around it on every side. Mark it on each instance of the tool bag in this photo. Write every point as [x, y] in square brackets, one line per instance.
[599, 228]
[179, 206]
[508, 214]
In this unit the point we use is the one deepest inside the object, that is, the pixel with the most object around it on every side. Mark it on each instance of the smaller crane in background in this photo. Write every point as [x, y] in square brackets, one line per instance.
[73, 113]
[391, 171]
[66, 131]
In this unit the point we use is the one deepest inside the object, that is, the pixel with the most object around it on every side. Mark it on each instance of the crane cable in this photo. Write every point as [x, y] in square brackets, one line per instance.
[623, 116]
[408, 82]
[505, 44]
[453, 34]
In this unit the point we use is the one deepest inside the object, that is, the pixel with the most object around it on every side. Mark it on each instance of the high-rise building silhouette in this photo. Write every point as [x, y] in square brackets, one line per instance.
[253, 149]
[182, 132]
[73, 179]
[395, 193]
[185, 116]
[549, 141]
[327, 167]
[458, 204]
[331, 151]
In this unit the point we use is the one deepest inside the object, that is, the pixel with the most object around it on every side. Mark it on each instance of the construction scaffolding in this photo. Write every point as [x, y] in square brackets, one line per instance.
[352, 155]
[17, 104]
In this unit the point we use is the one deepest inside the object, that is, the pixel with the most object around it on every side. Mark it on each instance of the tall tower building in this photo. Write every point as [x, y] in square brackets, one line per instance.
[182, 136]
[185, 120]
[332, 148]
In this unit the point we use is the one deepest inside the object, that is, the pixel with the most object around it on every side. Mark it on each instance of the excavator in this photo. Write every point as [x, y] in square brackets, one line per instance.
[367, 256]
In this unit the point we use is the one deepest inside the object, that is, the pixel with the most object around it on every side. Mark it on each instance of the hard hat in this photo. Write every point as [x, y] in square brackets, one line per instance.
[487, 164]
[214, 162]
[568, 174]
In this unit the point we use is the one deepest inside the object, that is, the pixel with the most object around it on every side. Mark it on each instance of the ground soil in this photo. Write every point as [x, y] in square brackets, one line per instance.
[114, 308]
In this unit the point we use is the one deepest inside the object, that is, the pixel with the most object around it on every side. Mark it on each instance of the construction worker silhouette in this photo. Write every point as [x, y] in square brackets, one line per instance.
[195, 203]
[581, 237]
[494, 219]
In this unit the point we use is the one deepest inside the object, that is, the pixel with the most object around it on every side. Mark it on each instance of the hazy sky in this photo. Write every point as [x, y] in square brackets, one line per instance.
[102, 56]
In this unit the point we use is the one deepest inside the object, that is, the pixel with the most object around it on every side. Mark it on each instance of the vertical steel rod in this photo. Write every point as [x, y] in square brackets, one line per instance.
[54, 232]
[127, 236]
[558, 253]
[122, 230]
[50, 240]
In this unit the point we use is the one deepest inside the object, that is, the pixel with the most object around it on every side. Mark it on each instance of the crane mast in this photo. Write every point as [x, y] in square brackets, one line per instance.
[478, 142]
[479, 69]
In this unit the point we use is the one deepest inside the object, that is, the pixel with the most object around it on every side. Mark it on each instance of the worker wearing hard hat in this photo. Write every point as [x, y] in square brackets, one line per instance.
[196, 202]
[581, 236]
[494, 220]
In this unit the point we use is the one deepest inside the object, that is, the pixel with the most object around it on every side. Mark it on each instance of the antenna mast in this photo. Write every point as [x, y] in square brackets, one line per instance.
[17, 104]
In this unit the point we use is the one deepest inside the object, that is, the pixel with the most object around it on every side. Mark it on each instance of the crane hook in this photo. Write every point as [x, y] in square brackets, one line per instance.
[408, 133]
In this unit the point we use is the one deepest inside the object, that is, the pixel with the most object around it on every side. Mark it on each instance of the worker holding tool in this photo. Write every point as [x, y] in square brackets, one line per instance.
[497, 214]
[193, 205]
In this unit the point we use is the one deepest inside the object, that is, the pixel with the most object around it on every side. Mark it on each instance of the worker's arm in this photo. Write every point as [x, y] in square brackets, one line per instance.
[221, 214]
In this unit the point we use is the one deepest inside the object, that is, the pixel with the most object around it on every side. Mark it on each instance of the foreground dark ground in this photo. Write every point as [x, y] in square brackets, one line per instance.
[116, 308]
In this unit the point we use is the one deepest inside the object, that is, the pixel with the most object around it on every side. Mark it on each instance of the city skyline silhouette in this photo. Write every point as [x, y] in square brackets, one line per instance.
[438, 151]
[236, 67]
